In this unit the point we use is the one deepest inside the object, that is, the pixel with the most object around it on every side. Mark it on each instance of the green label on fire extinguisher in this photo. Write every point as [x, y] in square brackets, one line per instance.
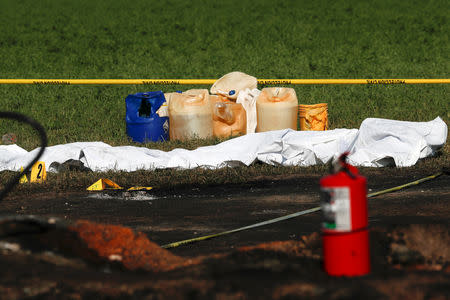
[336, 208]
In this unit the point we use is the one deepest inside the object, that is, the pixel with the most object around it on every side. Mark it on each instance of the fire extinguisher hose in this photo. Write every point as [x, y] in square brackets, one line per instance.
[300, 213]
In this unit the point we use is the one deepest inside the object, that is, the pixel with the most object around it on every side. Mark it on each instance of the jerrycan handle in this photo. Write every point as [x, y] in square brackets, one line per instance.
[145, 109]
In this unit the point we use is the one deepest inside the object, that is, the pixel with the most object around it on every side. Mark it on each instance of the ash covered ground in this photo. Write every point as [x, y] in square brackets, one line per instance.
[107, 244]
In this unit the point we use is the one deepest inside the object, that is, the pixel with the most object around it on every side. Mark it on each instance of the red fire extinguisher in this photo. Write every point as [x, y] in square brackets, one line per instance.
[345, 234]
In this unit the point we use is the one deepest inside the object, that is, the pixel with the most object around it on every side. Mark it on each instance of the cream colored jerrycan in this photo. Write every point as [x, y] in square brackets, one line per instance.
[190, 116]
[229, 118]
[276, 108]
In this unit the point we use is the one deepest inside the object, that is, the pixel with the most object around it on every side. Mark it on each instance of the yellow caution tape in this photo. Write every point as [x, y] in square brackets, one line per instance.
[212, 81]
[300, 213]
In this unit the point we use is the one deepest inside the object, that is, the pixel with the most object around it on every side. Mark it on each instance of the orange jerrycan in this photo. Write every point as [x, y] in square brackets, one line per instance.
[313, 117]
[190, 116]
[276, 108]
[229, 118]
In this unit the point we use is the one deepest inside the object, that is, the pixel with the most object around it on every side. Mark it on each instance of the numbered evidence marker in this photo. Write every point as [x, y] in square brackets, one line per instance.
[24, 178]
[103, 184]
[38, 173]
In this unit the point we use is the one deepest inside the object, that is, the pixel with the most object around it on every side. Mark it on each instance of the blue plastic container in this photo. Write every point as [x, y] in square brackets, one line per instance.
[143, 123]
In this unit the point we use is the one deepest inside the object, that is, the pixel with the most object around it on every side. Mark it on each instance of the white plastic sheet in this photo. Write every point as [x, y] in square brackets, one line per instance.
[378, 143]
[382, 142]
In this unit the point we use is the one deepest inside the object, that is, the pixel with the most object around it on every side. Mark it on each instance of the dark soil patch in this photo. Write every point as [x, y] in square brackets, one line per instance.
[86, 252]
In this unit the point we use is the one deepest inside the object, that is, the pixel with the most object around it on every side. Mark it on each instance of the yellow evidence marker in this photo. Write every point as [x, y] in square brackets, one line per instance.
[38, 172]
[140, 188]
[103, 184]
[24, 178]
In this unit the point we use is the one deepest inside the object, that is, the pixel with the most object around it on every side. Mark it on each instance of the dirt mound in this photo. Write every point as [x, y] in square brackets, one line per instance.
[306, 246]
[132, 249]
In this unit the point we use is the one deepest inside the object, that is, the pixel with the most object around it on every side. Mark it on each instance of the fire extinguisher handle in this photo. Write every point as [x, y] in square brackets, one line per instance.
[343, 158]
[347, 171]
[341, 165]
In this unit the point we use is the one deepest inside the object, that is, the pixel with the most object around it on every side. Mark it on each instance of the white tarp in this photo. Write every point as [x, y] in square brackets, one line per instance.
[378, 143]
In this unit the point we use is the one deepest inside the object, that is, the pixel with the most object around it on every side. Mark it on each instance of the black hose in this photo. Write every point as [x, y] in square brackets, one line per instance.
[38, 127]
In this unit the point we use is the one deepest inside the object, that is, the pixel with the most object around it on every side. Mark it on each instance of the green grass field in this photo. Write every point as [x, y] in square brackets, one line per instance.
[207, 39]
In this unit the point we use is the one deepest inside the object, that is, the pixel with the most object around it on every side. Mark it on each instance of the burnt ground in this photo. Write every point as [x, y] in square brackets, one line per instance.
[55, 255]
